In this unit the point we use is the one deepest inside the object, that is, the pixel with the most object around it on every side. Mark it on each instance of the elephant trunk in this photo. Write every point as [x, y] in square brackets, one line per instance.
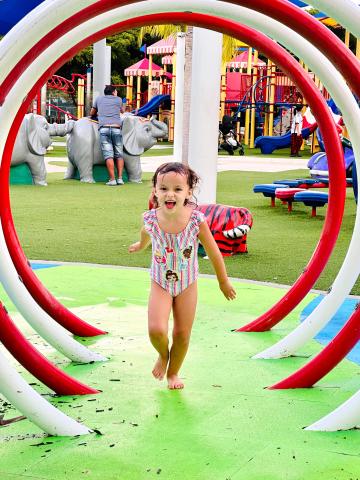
[60, 129]
[161, 129]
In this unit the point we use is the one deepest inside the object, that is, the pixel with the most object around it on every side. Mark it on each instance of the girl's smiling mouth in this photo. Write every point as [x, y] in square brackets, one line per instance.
[169, 204]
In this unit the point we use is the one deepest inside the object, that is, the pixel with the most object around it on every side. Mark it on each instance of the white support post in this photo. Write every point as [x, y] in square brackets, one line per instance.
[101, 67]
[179, 96]
[204, 110]
[88, 96]
[43, 100]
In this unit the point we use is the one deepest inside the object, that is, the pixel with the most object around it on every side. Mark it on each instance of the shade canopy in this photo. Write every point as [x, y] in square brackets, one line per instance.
[167, 60]
[141, 69]
[164, 46]
[241, 61]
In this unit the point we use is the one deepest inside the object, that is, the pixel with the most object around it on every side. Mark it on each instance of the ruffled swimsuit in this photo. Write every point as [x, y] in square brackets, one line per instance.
[174, 263]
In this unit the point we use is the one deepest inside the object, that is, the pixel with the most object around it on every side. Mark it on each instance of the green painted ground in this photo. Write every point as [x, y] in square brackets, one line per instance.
[223, 426]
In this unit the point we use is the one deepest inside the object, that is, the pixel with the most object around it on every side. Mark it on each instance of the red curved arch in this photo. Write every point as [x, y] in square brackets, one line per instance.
[36, 363]
[327, 359]
[332, 222]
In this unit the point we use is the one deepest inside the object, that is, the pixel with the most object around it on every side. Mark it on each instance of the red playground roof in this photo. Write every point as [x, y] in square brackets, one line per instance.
[141, 68]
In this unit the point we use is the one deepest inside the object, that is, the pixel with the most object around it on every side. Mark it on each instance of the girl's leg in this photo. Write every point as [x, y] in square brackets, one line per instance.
[160, 303]
[184, 308]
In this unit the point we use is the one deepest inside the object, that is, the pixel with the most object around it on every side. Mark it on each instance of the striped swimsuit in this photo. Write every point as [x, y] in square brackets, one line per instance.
[174, 263]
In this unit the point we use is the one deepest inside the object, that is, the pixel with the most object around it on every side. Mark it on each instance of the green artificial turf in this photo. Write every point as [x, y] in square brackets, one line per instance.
[58, 163]
[280, 153]
[223, 426]
[60, 151]
[158, 152]
[57, 151]
[73, 221]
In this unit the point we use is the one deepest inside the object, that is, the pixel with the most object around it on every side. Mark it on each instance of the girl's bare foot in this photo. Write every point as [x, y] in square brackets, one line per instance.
[160, 367]
[174, 382]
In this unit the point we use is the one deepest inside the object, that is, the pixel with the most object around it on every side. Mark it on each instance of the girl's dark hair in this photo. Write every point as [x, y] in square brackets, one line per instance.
[192, 178]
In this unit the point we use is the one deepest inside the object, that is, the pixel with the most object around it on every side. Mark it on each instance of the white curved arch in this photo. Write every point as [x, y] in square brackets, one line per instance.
[41, 322]
[333, 82]
[344, 417]
[34, 406]
[345, 12]
[211, 9]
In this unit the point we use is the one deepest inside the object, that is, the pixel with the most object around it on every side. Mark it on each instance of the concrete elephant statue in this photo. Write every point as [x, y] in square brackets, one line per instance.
[83, 145]
[32, 141]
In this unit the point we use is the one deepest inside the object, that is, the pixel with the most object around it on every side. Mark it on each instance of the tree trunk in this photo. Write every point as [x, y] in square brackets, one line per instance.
[187, 94]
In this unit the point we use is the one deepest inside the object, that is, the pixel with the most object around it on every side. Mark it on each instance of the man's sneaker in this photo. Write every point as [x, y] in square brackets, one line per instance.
[111, 183]
[120, 181]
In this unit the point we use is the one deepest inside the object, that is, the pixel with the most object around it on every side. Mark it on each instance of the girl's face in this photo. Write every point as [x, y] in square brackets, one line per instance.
[172, 190]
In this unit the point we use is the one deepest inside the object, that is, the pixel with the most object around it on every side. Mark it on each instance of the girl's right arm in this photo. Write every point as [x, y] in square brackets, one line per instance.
[144, 242]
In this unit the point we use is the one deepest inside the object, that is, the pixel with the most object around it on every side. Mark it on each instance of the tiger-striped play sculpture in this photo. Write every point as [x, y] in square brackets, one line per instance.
[229, 226]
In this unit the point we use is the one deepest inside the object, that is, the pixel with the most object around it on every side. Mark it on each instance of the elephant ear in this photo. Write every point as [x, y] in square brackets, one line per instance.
[131, 128]
[38, 138]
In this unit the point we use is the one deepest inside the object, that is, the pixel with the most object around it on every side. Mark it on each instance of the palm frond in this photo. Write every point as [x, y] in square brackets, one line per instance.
[230, 47]
[162, 31]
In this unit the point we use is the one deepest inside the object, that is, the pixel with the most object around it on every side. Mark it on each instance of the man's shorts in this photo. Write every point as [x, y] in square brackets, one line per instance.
[111, 142]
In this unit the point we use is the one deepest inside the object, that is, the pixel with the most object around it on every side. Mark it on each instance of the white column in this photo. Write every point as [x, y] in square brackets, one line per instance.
[204, 110]
[101, 67]
[43, 100]
[88, 96]
[179, 97]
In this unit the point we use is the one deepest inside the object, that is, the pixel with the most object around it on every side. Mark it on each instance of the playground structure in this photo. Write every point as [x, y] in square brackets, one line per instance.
[160, 83]
[75, 88]
[255, 93]
[14, 81]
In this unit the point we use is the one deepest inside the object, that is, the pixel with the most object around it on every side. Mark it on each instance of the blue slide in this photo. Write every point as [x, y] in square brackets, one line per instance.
[154, 103]
[268, 144]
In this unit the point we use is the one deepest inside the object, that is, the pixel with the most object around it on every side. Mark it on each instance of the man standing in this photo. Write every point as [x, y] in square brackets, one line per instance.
[108, 108]
[296, 132]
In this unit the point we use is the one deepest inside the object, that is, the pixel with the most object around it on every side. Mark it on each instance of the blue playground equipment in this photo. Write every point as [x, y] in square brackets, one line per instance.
[355, 182]
[247, 103]
[153, 105]
[318, 163]
[335, 324]
[268, 190]
[312, 199]
[290, 183]
[268, 144]
[11, 14]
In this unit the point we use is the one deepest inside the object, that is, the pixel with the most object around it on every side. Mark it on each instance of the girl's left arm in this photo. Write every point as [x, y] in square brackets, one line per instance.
[213, 252]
